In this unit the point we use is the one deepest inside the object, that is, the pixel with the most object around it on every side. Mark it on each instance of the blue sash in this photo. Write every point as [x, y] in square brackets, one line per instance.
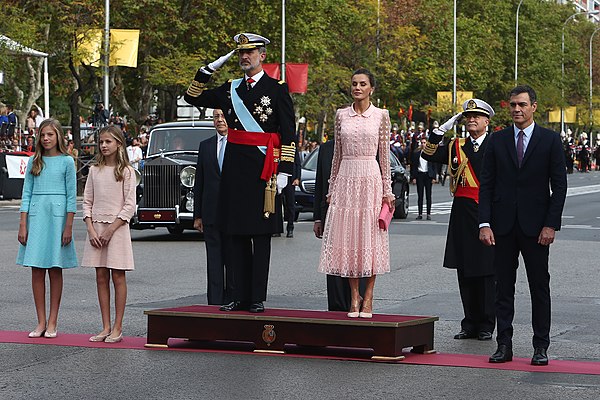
[242, 112]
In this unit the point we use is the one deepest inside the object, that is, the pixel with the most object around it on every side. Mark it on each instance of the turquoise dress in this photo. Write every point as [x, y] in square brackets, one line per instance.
[47, 198]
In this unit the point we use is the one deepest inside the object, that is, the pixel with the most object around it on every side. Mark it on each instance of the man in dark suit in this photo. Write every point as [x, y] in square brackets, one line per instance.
[522, 195]
[258, 160]
[464, 252]
[422, 173]
[206, 210]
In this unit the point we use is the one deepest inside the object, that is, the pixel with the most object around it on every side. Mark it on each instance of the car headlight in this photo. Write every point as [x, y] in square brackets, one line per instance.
[189, 204]
[188, 176]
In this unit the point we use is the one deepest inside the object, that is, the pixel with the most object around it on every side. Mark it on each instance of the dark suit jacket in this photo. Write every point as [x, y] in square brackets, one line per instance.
[322, 180]
[532, 196]
[208, 178]
[414, 166]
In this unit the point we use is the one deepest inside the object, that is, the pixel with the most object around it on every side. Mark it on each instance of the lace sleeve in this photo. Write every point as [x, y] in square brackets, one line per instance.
[337, 153]
[384, 157]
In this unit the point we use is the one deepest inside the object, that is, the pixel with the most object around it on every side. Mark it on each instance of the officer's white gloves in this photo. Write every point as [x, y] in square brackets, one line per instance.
[282, 181]
[446, 126]
[218, 63]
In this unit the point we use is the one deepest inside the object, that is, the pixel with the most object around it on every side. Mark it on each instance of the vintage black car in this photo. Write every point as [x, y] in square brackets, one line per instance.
[165, 193]
[305, 192]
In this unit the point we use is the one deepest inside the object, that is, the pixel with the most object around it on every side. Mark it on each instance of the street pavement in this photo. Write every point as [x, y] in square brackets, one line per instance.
[171, 271]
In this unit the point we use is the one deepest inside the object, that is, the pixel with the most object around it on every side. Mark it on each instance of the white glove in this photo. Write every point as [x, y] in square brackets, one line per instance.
[282, 181]
[218, 63]
[446, 126]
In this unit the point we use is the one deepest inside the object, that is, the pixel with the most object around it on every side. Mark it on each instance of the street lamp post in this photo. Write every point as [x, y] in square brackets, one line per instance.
[591, 60]
[517, 43]
[562, 64]
[454, 65]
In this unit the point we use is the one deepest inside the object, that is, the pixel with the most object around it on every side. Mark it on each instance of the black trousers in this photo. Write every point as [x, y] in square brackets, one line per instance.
[424, 182]
[338, 292]
[478, 295]
[249, 258]
[506, 262]
[219, 277]
[288, 195]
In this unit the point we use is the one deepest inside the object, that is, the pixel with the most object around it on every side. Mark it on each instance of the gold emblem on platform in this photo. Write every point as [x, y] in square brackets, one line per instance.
[157, 216]
[268, 334]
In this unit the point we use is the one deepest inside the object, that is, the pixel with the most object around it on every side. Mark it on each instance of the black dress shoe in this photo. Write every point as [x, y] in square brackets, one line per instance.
[290, 234]
[257, 307]
[234, 306]
[419, 217]
[503, 354]
[465, 335]
[276, 235]
[483, 335]
[540, 357]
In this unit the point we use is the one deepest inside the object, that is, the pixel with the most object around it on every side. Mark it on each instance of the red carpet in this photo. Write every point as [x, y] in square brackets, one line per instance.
[439, 359]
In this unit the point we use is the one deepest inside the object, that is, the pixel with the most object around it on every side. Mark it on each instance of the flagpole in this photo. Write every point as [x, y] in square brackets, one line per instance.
[106, 54]
[283, 40]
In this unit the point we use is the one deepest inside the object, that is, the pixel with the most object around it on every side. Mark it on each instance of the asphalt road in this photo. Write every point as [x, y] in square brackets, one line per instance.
[171, 271]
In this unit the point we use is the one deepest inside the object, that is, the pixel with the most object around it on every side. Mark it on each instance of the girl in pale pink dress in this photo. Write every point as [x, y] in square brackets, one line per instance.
[353, 245]
[108, 205]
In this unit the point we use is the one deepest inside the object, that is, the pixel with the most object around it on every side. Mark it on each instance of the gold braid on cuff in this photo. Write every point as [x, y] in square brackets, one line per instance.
[195, 89]
[430, 148]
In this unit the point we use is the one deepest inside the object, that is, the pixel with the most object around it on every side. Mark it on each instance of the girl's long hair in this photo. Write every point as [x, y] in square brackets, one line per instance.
[122, 158]
[38, 162]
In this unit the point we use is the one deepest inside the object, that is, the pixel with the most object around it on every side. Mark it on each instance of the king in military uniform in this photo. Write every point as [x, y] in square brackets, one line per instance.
[464, 252]
[258, 159]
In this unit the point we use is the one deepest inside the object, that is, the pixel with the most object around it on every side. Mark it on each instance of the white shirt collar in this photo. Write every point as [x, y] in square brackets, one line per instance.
[480, 139]
[368, 112]
[527, 131]
[256, 77]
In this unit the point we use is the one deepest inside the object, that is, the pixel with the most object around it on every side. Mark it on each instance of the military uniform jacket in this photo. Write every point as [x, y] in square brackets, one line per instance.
[464, 250]
[242, 190]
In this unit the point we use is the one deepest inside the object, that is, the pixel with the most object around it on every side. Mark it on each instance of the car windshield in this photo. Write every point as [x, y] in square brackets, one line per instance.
[310, 162]
[178, 139]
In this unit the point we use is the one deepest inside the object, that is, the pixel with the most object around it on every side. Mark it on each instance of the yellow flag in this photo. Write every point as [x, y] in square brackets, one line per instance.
[89, 45]
[570, 115]
[444, 100]
[554, 115]
[124, 47]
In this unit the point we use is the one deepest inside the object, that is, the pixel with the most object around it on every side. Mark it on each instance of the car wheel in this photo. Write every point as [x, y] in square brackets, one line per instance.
[401, 211]
[175, 230]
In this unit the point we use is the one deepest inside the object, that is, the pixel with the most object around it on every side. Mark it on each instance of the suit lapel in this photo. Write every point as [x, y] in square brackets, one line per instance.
[535, 138]
[509, 140]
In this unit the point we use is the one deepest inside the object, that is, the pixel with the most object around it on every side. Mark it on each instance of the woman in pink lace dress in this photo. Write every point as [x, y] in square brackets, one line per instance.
[353, 245]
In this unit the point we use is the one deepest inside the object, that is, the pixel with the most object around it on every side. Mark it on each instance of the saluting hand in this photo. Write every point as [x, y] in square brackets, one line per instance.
[218, 63]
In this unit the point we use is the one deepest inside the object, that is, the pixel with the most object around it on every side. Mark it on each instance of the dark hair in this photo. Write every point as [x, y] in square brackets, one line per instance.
[364, 71]
[524, 89]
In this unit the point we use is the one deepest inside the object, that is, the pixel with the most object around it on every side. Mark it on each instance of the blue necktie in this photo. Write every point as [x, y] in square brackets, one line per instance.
[222, 140]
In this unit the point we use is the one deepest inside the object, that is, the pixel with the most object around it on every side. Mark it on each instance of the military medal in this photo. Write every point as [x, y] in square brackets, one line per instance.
[475, 147]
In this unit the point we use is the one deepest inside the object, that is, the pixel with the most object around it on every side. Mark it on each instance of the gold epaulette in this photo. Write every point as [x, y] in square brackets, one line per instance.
[288, 153]
[430, 148]
[229, 81]
[281, 82]
[196, 88]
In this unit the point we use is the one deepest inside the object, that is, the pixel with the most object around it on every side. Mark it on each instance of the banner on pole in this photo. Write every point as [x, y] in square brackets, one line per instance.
[89, 45]
[570, 115]
[124, 45]
[16, 165]
[296, 75]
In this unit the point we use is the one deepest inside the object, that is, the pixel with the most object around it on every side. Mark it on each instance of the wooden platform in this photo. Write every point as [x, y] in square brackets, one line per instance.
[272, 330]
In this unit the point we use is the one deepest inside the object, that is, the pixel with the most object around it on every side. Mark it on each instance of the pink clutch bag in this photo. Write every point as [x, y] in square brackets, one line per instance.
[385, 217]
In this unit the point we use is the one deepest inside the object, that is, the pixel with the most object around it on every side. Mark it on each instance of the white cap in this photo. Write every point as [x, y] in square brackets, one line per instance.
[248, 41]
[302, 120]
[477, 106]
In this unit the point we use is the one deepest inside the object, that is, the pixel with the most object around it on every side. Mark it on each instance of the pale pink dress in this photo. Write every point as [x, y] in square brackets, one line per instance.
[105, 200]
[353, 245]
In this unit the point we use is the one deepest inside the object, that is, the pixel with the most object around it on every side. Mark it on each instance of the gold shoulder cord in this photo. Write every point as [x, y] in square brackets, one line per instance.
[455, 173]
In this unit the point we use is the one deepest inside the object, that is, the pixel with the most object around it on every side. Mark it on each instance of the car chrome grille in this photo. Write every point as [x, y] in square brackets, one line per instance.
[308, 186]
[161, 186]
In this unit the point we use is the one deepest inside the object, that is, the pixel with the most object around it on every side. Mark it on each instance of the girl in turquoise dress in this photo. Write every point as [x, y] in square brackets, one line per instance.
[48, 207]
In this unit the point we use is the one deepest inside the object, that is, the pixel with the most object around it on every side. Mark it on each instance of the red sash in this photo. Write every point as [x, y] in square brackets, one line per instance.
[271, 140]
[471, 192]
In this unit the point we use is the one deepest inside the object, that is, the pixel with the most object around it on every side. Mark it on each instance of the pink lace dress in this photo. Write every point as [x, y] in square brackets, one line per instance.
[353, 245]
